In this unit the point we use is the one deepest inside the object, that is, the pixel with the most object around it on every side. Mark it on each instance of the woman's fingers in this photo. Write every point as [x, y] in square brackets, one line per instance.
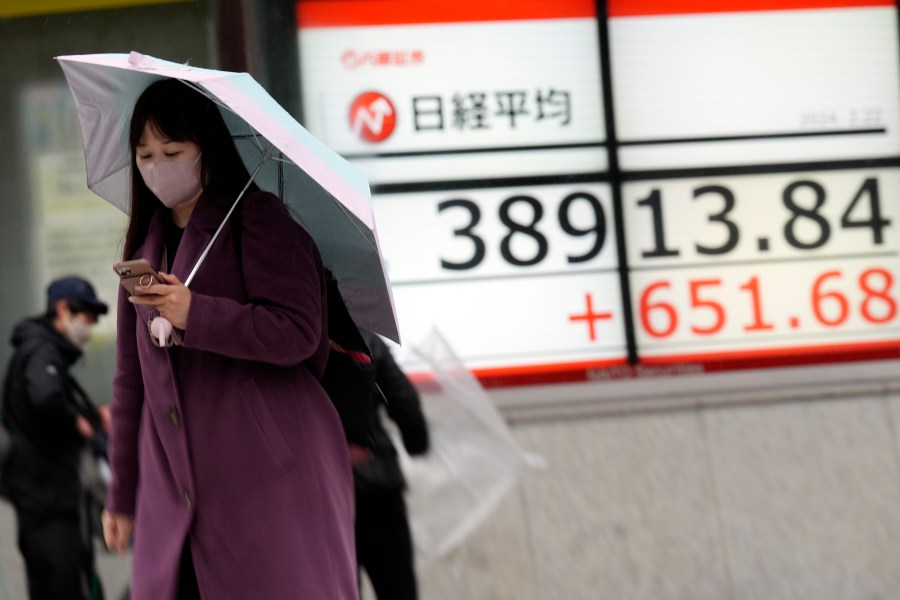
[125, 527]
[117, 530]
[170, 278]
[108, 525]
[154, 289]
[110, 530]
[172, 299]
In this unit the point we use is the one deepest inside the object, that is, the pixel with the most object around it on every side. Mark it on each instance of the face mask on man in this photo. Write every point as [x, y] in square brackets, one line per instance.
[173, 181]
[78, 332]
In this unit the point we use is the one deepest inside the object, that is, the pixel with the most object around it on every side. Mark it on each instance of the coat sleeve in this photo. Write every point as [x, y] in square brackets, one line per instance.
[125, 412]
[284, 321]
[400, 397]
[45, 383]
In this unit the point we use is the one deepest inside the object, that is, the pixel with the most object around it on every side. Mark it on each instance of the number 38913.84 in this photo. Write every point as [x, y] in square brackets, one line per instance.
[851, 217]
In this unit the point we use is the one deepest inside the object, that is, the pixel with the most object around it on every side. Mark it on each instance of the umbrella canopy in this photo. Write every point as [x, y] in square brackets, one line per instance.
[326, 195]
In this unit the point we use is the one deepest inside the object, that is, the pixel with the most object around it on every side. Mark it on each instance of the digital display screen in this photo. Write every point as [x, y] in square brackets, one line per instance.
[574, 194]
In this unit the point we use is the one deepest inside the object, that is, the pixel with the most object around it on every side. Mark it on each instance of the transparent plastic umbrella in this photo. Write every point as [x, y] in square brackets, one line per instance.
[474, 460]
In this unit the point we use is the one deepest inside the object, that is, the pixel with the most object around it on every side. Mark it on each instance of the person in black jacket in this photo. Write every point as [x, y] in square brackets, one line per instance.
[383, 540]
[51, 422]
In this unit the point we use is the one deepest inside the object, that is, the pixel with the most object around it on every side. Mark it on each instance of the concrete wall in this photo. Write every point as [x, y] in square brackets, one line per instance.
[795, 500]
[788, 501]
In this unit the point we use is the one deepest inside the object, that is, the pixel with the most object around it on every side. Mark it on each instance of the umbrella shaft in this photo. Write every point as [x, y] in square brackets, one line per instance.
[190, 278]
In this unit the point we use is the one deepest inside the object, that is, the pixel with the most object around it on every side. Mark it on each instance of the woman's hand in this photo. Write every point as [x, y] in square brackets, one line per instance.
[172, 299]
[117, 530]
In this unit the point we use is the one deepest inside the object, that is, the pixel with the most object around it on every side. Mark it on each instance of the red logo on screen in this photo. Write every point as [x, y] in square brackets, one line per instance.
[351, 59]
[372, 117]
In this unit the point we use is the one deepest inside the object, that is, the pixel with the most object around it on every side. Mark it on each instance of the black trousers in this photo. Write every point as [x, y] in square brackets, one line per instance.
[384, 544]
[58, 559]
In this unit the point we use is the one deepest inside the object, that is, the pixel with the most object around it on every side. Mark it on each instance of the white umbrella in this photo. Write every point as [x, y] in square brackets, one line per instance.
[327, 195]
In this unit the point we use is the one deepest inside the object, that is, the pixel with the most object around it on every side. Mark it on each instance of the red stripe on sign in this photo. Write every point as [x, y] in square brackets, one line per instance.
[673, 365]
[355, 13]
[571, 372]
[714, 365]
[551, 368]
[716, 361]
[645, 8]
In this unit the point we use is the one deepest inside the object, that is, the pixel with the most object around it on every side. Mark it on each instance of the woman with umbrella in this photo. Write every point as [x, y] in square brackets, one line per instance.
[229, 461]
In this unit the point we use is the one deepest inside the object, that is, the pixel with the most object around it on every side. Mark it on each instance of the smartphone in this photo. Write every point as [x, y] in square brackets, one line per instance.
[136, 272]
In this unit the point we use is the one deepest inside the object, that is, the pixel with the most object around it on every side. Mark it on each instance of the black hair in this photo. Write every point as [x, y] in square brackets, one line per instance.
[180, 113]
[75, 306]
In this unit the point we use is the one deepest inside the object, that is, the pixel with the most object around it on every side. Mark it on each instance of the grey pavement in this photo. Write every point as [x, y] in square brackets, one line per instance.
[795, 500]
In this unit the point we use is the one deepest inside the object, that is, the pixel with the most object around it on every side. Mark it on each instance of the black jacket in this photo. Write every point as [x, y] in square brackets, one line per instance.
[401, 401]
[40, 403]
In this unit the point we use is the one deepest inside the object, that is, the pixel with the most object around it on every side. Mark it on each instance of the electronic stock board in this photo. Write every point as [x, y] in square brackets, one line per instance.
[574, 191]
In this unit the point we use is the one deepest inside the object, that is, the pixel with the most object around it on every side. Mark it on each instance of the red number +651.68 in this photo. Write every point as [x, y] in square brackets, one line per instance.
[828, 302]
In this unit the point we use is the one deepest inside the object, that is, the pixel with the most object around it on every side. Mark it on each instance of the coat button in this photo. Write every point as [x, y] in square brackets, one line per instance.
[175, 416]
[188, 501]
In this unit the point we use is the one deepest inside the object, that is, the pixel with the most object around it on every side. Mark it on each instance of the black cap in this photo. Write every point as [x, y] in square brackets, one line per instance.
[75, 289]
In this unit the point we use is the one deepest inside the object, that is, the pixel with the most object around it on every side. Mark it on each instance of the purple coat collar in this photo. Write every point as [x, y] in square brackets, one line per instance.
[204, 220]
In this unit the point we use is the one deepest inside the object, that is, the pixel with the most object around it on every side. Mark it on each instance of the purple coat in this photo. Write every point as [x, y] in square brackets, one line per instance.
[229, 442]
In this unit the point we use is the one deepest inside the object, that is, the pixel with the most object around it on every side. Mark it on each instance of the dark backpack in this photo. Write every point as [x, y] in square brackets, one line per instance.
[349, 377]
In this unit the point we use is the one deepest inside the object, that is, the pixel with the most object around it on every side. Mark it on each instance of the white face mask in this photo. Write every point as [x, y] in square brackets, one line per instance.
[78, 332]
[174, 182]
